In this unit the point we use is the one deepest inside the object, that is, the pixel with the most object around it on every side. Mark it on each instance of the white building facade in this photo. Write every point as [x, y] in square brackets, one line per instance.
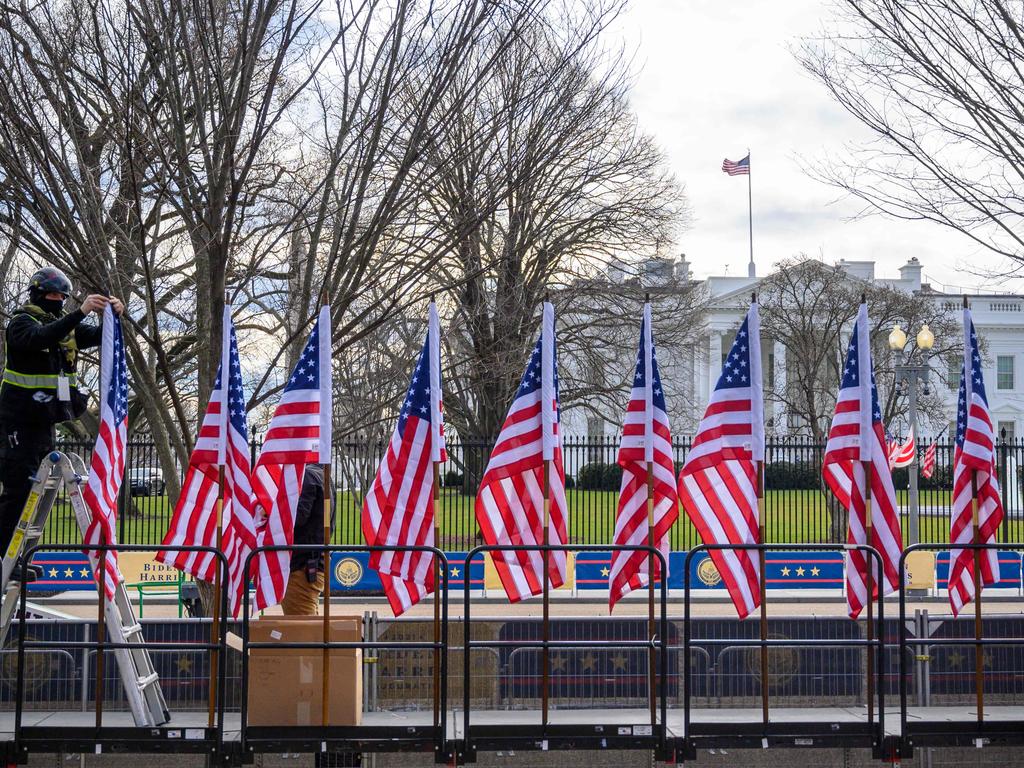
[689, 375]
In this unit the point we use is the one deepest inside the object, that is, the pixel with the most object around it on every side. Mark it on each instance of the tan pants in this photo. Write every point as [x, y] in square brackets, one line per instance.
[300, 597]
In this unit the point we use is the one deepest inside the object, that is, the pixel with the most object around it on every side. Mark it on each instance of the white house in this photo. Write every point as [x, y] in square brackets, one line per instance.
[689, 375]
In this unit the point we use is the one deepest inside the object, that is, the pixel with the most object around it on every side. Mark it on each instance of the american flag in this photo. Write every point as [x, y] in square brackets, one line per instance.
[738, 167]
[718, 482]
[510, 503]
[646, 442]
[855, 439]
[928, 466]
[398, 509]
[299, 434]
[195, 520]
[902, 454]
[106, 470]
[973, 460]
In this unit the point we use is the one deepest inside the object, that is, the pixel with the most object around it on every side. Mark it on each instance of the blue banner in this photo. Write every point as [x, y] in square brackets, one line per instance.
[1009, 570]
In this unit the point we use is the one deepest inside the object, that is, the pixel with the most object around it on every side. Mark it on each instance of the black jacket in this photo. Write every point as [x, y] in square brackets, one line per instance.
[34, 349]
[309, 518]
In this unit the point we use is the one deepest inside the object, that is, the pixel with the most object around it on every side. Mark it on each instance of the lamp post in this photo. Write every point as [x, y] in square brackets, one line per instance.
[911, 375]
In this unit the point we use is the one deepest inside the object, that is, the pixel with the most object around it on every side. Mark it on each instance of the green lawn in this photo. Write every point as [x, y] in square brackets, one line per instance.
[790, 516]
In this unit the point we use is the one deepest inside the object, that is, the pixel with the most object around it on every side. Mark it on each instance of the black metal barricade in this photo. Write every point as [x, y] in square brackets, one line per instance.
[821, 730]
[369, 736]
[60, 736]
[586, 734]
[961, 726]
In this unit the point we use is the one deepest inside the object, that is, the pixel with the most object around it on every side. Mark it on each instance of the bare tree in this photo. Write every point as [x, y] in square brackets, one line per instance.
[939, 84]
[554, 177]
[809, 307]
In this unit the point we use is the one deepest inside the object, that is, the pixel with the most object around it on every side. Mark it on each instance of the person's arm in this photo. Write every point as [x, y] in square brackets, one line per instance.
[26, 334]
[88, 335]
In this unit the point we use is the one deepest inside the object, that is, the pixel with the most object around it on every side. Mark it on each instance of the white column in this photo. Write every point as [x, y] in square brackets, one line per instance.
[779, 350]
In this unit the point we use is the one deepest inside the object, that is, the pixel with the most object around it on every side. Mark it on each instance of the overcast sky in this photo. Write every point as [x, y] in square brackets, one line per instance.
[714, 78]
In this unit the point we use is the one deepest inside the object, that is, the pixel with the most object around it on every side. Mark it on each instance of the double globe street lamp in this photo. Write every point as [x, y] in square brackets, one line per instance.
[910, 374]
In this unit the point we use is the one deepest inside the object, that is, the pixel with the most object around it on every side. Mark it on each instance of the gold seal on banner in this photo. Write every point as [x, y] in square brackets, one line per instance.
[708, 573]
[348, 571]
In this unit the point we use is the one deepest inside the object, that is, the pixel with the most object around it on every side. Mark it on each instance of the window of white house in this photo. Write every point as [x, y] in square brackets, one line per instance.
[770, 370]
[955, 364]
[1004, 372]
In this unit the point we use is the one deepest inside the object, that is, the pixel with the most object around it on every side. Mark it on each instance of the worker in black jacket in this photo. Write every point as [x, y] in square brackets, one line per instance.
[306, 580]
[40, 387]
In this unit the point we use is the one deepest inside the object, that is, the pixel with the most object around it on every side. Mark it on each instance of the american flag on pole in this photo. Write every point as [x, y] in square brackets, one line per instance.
[646, 441]
[510, 503]
[398, 510]
[737, 167]
[857, 437]
[106, 470]
[902, 454]
[973, 465]
[223, 441]
[928, 465]
[718, 482]
[299, 434]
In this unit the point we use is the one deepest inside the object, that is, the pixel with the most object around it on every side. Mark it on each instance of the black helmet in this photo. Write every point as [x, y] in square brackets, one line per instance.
[49, 280]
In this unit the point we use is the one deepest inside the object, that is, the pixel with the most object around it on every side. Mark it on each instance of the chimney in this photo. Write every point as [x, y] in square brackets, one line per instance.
[682, 269]
[911, 273]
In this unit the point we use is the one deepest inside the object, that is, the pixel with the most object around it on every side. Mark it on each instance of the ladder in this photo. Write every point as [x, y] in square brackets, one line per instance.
[141, 682]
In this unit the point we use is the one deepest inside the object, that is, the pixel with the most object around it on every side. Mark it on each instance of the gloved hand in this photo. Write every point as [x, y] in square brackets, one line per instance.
[311, 571]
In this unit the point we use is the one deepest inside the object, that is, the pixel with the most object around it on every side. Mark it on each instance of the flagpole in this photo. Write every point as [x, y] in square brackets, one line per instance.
[979, 656]
[546, 352]
[225, 424]
[763, 592]
[648, 362]
[751, 270]
[325, 458]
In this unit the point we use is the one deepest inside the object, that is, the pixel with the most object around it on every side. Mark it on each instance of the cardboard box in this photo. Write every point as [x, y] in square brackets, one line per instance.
[285, 684]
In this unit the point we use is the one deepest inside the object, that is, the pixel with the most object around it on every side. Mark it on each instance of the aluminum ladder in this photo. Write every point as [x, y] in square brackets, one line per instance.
[141, 683]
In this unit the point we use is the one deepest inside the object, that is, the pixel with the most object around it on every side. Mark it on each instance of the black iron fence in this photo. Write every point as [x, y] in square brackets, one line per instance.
[797, 509]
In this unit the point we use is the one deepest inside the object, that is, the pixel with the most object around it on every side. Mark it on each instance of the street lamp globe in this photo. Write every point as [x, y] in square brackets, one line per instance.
[897, 339]
[925, 338]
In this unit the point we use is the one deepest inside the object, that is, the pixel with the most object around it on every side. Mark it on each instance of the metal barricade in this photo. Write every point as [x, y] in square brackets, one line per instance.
[209, 737]
[952, 729]
[544, 735]
[762, 732]
[370, 736]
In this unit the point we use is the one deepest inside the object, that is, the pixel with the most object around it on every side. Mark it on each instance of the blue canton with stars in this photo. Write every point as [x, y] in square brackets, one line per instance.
[639, 378]
[736, 368]
[236, 396]
[117, 392]
[977, 387]
[306, 374]
[417, 399]
[851, 376]
[530, 382]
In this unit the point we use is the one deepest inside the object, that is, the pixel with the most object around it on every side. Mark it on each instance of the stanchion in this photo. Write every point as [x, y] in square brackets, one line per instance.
[979, 653]
[101, 588]
[325, 695]
[217, 586]
[870, 589]
[762, 594]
